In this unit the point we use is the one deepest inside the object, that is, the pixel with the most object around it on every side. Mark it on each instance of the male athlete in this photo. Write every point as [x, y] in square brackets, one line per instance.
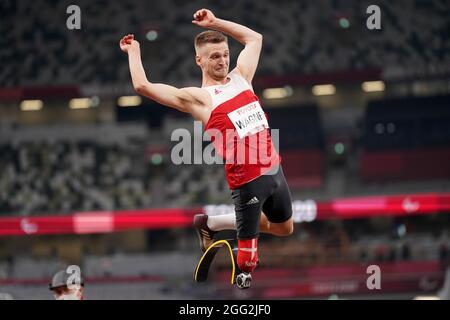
[62, 291]
[231, 112]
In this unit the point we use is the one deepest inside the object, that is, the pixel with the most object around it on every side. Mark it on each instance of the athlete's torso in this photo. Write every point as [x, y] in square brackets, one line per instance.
[245, 142]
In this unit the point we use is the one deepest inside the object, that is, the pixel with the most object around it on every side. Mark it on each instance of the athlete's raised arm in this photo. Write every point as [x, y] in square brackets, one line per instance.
[167, 95]
[248, 58]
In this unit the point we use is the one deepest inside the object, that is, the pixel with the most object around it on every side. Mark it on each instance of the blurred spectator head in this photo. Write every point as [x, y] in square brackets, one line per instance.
[62, 288]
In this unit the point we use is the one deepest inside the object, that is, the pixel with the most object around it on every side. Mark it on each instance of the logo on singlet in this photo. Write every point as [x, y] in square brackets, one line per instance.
[217, 91]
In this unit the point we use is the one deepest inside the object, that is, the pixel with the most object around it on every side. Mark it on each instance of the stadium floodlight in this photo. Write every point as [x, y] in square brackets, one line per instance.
[129, 101]
[373, 86]
[80, 103]
[31, 105]
[152, 35]
[324, 90]
[278, 93]
[427, 298]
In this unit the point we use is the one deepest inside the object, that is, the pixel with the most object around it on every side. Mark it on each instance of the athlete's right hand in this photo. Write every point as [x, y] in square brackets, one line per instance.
[204, 18]
[128, 42]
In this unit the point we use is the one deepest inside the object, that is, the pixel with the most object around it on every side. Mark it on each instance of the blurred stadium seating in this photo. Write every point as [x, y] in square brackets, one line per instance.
[409, 38]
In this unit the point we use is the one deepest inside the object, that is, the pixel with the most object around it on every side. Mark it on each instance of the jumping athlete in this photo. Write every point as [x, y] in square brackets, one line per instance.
[229, 109]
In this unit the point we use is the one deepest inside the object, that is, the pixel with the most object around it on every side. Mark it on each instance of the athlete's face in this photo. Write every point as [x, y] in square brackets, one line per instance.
[214, 58]
[64, 293]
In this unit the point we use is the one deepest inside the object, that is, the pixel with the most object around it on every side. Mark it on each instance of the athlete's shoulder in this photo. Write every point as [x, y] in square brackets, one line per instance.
[195, 91]
[200, 95]
[236, 74]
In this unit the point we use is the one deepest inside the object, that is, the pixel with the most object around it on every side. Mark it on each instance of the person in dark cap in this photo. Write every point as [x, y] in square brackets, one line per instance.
[66, 286]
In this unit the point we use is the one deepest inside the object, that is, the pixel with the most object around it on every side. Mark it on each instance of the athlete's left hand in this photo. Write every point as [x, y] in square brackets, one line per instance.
[204, 18]
[128, 42]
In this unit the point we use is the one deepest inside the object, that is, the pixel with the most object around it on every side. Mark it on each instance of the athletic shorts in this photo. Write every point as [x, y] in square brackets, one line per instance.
[268, 193]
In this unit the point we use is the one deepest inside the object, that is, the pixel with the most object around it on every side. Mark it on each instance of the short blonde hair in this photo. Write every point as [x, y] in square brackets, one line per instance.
[209, 36]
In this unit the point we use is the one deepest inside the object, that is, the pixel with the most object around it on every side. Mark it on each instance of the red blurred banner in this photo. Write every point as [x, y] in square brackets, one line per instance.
[304, 211]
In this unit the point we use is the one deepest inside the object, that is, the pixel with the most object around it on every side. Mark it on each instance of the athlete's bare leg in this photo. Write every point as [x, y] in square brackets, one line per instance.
[228, 222]
[208, 226]
[277, 229]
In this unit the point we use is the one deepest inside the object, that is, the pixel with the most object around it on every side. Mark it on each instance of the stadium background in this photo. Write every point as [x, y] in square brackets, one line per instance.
[85, 170]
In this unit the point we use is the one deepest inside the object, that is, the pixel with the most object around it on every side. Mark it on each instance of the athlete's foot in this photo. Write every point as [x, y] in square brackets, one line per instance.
[243, 280]
[205, 234]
